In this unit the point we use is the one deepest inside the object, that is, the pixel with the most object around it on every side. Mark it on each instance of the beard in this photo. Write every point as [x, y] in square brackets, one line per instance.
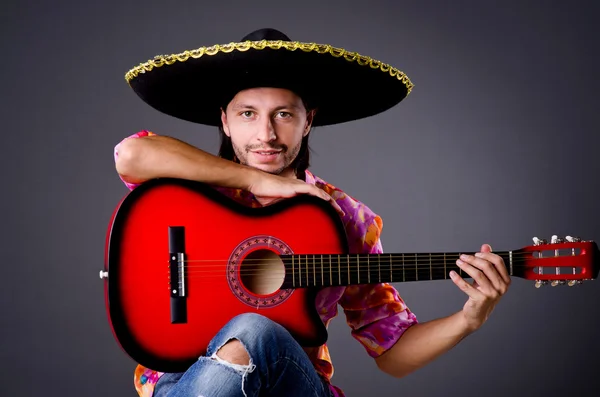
[288, 155]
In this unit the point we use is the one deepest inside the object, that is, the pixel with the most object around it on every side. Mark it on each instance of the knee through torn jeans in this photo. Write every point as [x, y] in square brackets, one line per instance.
[278, 366]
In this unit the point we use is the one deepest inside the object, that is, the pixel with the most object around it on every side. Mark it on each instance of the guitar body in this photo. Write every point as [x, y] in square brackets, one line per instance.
[230, 264]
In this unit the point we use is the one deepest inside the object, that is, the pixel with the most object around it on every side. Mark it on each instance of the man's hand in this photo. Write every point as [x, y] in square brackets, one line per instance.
[269, 188]
[490, 282]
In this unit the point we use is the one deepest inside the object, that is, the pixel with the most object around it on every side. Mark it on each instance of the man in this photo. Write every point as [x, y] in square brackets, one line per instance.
[265, 100]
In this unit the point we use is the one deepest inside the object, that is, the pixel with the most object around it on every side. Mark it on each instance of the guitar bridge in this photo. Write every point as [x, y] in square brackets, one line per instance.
[177, 279]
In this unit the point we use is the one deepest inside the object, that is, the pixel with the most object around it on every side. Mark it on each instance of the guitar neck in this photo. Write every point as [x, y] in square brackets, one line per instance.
[324, 270]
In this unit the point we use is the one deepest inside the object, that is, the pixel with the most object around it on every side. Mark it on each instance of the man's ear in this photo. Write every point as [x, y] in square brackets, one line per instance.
[309, 120]
[224, 122]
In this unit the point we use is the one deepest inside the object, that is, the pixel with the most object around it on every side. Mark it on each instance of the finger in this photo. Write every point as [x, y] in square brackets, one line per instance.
[337, 207]
[268, 201]
[465, 286]
[494, 283]
[478, 271]
[498, 263]
[334, 203]
[305, 188]
[315, 191]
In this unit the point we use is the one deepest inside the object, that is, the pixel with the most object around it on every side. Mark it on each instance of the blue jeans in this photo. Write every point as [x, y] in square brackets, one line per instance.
[278, 366]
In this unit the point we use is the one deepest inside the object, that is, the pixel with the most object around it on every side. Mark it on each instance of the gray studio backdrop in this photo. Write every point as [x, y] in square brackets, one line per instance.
[497, 143]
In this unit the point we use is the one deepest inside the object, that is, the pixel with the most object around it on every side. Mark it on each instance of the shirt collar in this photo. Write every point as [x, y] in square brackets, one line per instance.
[309, 178]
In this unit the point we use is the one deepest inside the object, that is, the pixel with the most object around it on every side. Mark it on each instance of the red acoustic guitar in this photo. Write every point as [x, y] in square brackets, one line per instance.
[182, 259]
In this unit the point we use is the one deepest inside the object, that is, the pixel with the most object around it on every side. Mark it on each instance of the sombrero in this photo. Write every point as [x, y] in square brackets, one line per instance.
[193, 85]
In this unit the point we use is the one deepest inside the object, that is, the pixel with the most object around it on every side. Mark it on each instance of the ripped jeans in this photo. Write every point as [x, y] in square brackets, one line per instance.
[278, 366]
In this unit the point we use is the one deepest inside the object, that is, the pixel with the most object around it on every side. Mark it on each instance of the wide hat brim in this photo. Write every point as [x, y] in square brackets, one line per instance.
[342, 85]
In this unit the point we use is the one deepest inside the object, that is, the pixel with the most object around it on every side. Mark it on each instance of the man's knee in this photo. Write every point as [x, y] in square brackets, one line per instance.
[234, 352]
[247, 335]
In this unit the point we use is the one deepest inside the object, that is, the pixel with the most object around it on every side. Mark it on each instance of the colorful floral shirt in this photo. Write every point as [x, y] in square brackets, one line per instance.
[376, 313]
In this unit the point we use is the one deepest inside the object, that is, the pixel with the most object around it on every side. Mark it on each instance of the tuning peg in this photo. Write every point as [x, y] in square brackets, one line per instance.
[537, 241]
[540, 283]
[573, 239]
[556, 239]
[554, 283]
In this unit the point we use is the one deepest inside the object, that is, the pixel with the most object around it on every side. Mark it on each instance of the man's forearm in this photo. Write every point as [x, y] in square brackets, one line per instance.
[141, 159]
[422, 343]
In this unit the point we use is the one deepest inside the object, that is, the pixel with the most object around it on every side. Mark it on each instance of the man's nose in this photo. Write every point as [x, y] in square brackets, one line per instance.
[266, 132]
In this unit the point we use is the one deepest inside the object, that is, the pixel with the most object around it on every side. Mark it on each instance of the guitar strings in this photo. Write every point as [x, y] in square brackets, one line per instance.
[316, 271]
[373, 258]
[311, 265]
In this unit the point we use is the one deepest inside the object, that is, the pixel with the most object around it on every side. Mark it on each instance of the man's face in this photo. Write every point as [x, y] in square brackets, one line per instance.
[266, 127]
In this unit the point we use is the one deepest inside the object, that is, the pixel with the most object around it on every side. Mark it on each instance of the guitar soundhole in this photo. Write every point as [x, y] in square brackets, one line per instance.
[262, 272]
[255, 272]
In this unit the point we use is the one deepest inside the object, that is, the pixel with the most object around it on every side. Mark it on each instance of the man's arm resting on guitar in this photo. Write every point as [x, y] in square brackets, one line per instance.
[139, 159]
[150, 157]
[422, 343]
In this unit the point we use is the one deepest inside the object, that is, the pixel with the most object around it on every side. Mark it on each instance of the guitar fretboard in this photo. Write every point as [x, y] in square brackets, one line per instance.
[316, 270]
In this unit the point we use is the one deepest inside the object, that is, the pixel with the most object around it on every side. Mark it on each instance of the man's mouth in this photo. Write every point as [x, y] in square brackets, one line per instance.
[266, 155]
[267, 152]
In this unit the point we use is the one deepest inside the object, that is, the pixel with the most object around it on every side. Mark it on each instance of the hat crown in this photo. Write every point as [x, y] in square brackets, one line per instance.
[266, 34]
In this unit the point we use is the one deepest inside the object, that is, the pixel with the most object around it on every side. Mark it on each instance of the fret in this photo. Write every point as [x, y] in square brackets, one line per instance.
[306, 262]
[330, 272]
[416, 267]
[314, 272]
[351, 266]
[430, 270]
[368, 269]
[391, 265]
[403, 269]
[379, 267]
[293, 273]
[357, 269]
[339, 271]
[299, 271]
[445, 270]
[348, 269]
[344, 280]
[322, 280]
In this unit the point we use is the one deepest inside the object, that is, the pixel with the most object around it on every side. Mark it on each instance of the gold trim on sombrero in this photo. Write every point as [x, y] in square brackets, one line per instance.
[161, 60]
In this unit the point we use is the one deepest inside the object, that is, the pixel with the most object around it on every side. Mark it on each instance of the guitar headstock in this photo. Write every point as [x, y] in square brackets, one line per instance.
[563, 261]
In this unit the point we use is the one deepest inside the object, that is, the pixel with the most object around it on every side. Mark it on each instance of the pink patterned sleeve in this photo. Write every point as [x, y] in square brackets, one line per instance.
[376, 313]
[139, 134]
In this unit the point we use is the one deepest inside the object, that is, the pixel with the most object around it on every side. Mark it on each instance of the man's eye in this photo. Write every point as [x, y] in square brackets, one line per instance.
[284, 114]
[247, 113]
